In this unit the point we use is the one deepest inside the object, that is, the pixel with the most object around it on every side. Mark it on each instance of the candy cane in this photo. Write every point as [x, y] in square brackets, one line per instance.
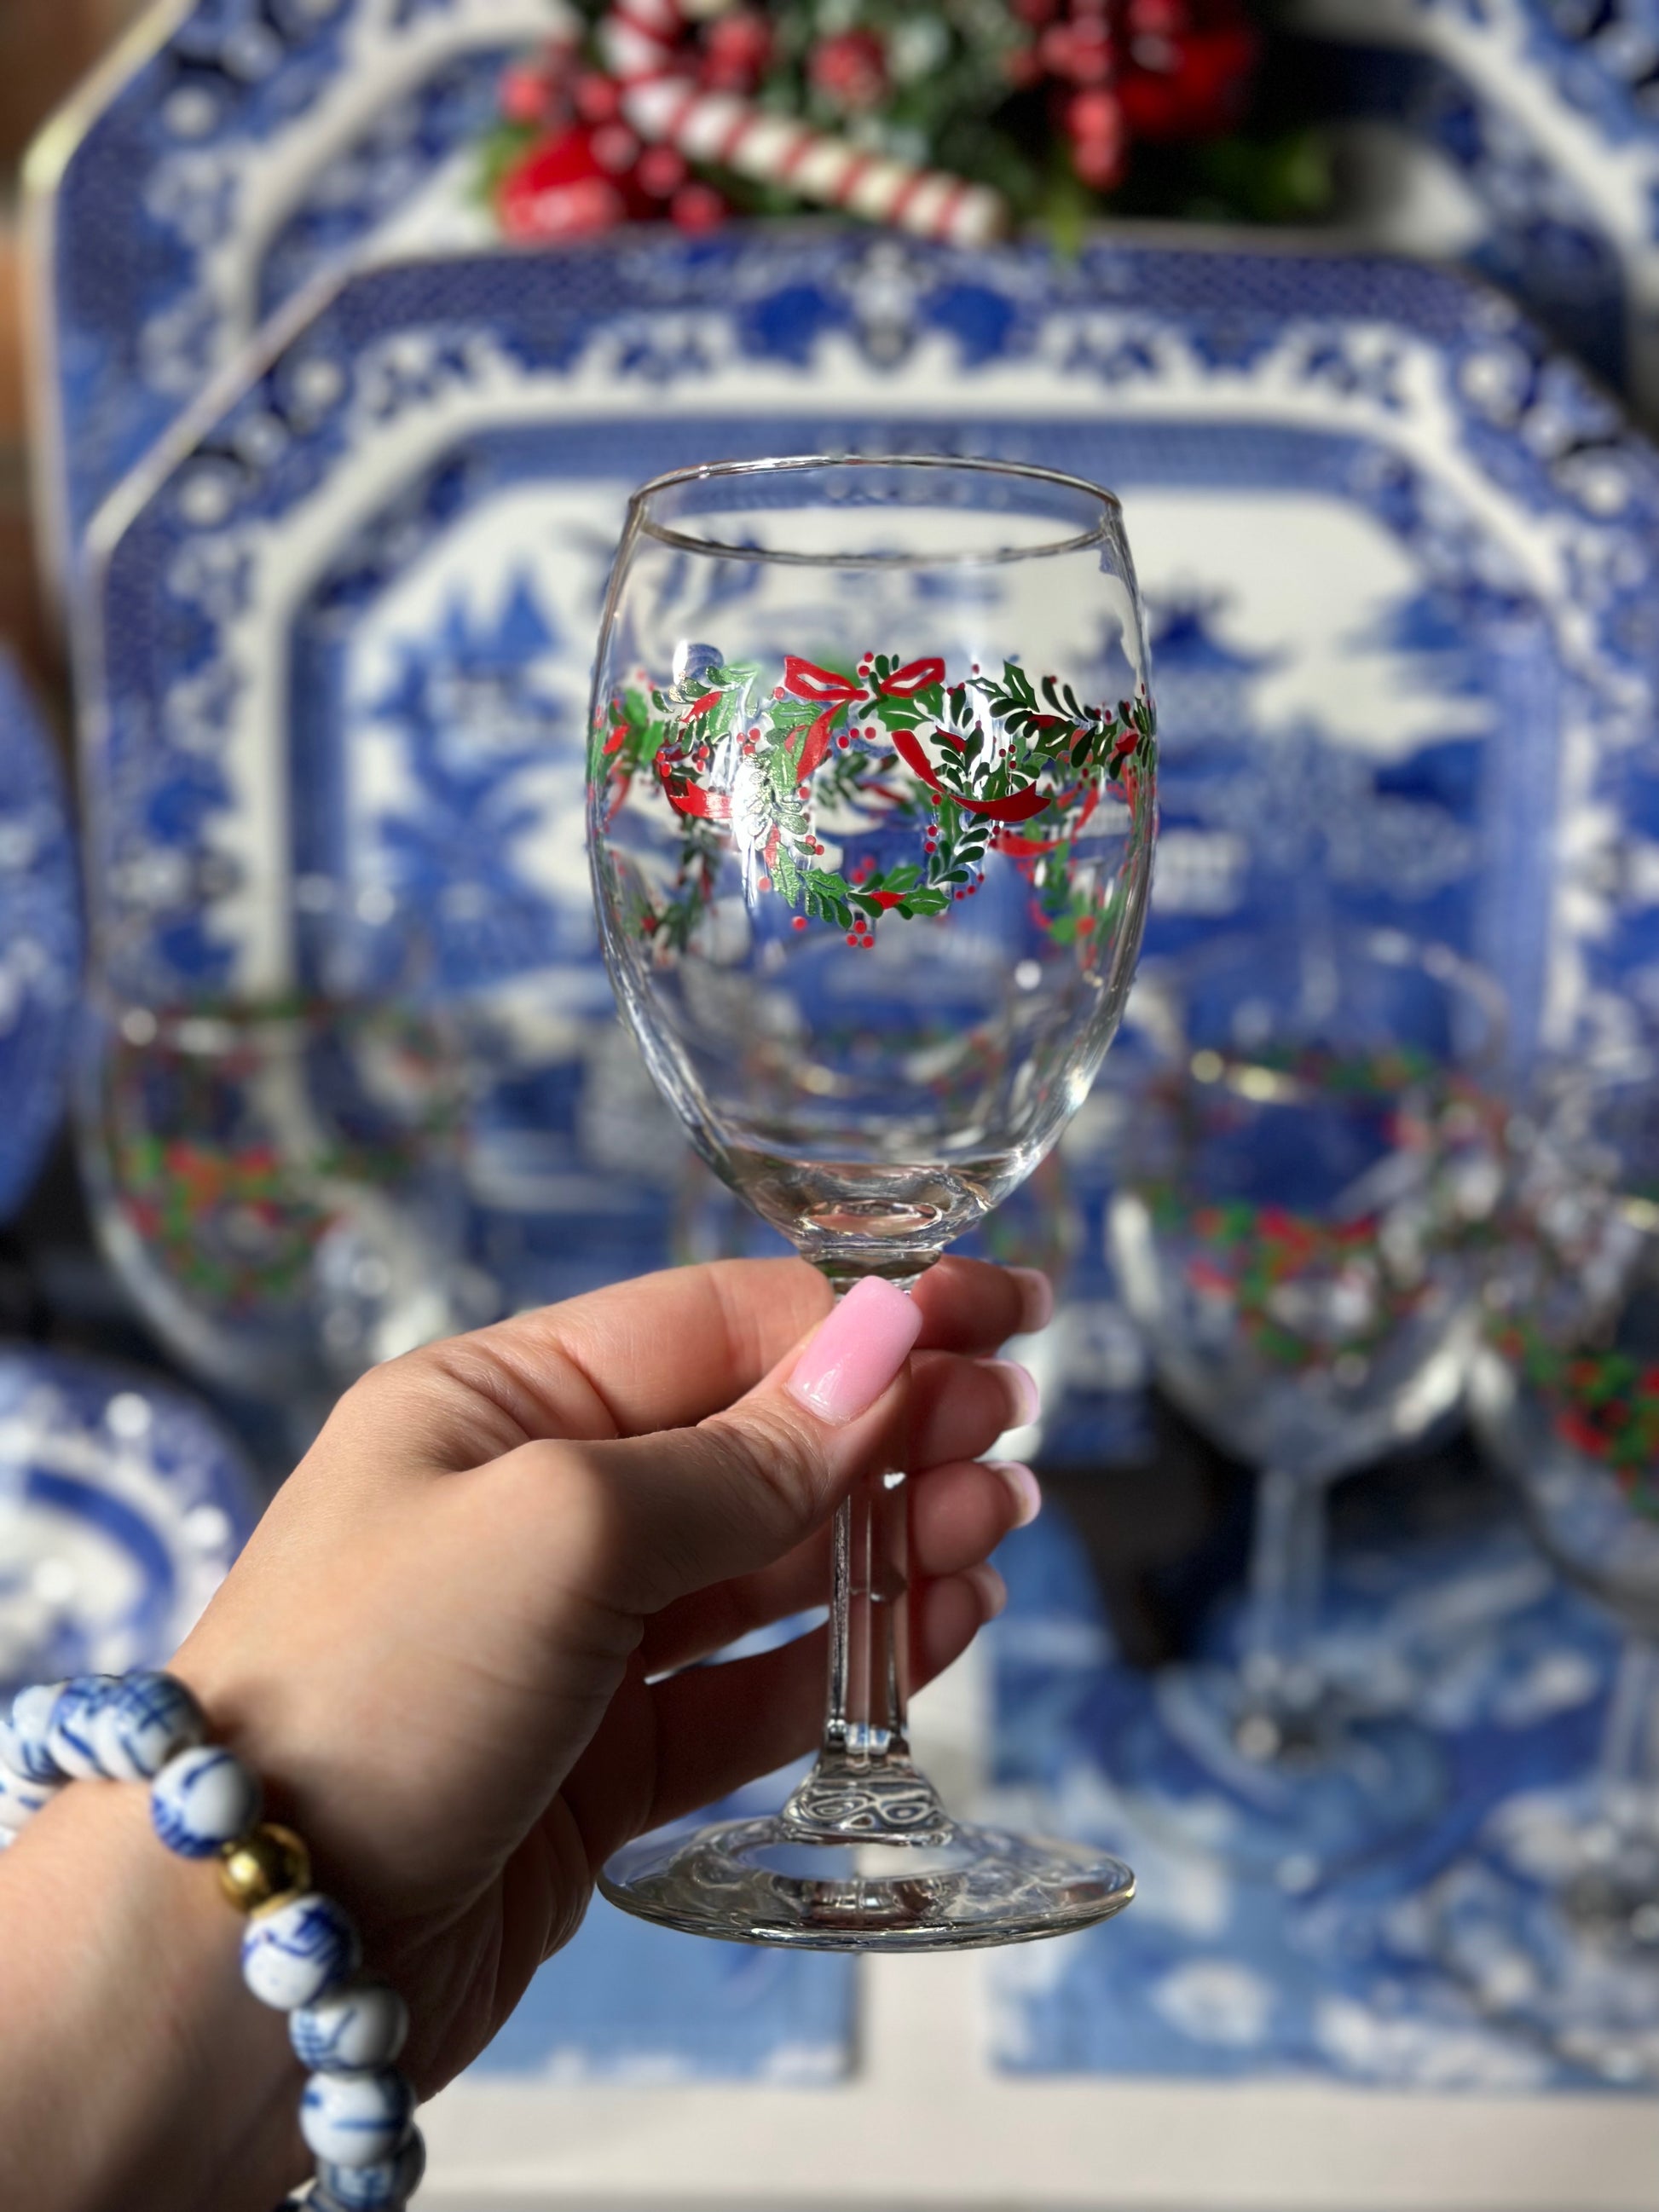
[640, 40]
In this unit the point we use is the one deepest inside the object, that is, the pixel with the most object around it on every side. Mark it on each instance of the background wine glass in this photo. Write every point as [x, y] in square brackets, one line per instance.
[872, 806]
[1554, 1924]
[277, 1186]
[1303, 1168]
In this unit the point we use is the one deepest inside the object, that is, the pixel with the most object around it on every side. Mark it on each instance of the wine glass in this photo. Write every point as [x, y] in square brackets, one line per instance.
[277, 1184]
[1302, 1178]
[1553, 1922]
[870, 809]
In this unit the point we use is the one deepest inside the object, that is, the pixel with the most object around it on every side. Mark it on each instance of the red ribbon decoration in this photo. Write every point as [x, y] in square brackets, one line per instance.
[1017, 806]
[804, 679]
[692, 799]
[914, 675]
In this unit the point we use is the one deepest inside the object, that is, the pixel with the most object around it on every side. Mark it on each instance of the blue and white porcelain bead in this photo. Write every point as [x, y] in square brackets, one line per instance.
[293, 1951]
[203, 1800]
[30, 1731]
[380, 2187]
[21, 1799]
[352, 2029]
[146, 1720]
[16, 1774]
[356, 2120]
[69, 1738]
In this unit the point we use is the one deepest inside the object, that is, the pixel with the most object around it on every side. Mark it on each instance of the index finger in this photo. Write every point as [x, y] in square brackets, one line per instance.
[664, 1351]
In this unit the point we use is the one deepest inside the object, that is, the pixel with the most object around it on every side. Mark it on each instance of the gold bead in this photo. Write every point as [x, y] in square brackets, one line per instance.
[266, 1863]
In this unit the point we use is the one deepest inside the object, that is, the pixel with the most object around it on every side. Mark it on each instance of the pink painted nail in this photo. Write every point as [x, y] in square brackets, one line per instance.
[1036, 1300]
[1024, 1399]
[993, 1591]
[857, 1352]
[1027, 1490]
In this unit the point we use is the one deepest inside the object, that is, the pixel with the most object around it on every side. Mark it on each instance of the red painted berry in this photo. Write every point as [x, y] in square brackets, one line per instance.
[800, 922]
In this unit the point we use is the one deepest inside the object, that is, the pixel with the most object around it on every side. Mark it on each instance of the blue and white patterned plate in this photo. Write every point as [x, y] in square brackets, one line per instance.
[39, 937]
[1403, 569]
[122, 1505]
[625, 2001]
[227, 152]
[1538, 124]
[1214, 1977]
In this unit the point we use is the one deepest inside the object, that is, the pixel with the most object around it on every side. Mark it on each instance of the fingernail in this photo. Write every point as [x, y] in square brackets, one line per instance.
[1027, 1490]
[857, 1352]
[1036, 1300]
[993, 1591]
[1024, 1399]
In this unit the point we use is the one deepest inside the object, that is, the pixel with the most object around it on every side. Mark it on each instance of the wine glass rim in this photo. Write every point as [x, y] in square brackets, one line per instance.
[642, 518]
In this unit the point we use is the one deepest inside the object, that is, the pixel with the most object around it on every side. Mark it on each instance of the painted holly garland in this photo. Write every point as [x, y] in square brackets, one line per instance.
[234, 1219]
[1275, 1265]
[1265, 1260]
[1605, 1405]
[992, 762]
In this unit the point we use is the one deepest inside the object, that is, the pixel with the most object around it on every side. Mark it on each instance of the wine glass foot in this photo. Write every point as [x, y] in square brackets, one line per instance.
[1554, 1929]
[758, 1881]
[1290, 1804]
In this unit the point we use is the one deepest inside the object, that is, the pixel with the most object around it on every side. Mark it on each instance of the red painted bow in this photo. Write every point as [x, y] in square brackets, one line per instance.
[1017, 806]
[804, 679]
[914, 675]
[691, 798]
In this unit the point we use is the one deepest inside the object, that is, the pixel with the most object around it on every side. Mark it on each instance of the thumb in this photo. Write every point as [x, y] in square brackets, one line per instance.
[670, 1514]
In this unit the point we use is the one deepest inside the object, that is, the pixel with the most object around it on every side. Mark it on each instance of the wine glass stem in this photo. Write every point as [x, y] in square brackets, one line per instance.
[863, 1786]
[1287, 1580]
[869, 1625]
[1629, 1770]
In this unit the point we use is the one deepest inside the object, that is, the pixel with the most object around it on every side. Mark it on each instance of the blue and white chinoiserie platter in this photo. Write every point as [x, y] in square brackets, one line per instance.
[1214, 1977]
[1402, 568]
[227, 152]
[1522, 136]
[123, 1504]
[39, 937]
[623, 2001]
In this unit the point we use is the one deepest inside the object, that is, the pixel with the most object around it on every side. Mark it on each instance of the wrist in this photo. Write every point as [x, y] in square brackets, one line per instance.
[137, 2070]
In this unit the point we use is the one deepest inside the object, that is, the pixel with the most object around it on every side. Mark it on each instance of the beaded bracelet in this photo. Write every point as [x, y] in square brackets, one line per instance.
[299, 1950]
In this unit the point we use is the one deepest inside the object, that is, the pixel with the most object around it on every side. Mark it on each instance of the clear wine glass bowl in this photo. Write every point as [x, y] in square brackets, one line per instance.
[1553, 1922]
[872, 805]
[1306, 1181]
[873, 793]
[277, 1185]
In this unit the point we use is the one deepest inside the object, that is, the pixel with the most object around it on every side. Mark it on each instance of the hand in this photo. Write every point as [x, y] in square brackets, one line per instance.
[449, 1647]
